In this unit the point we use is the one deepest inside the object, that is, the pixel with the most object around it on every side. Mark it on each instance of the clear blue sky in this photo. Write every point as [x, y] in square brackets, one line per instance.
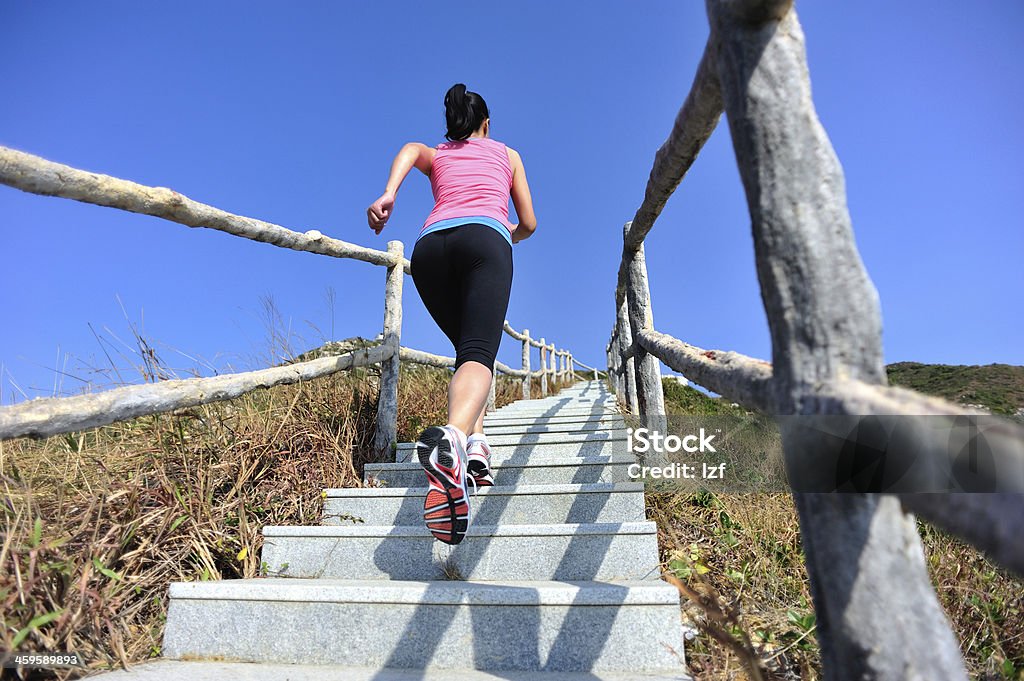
[292, 112]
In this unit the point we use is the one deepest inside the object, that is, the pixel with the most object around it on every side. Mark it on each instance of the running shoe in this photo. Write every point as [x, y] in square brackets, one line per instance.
[479, 466]
[446, 507]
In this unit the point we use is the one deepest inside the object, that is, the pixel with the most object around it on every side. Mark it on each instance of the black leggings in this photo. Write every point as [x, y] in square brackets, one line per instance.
[464, 276]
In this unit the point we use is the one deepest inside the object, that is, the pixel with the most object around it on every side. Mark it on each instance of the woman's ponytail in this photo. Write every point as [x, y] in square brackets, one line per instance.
[464, 111]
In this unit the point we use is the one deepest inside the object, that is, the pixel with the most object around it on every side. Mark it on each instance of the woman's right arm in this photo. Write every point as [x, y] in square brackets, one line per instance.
[411, 155]
[521, 199]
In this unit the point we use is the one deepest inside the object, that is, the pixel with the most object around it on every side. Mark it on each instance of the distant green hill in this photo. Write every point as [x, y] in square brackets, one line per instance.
[997, 387]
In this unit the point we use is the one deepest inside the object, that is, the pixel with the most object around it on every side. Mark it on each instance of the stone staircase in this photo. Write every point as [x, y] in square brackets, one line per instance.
[557, 578]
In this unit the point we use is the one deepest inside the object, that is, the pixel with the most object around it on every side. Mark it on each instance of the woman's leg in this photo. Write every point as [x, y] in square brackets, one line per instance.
[467, 396]
[464, 277]
[478, 426]
[440, 450]
[484, 269]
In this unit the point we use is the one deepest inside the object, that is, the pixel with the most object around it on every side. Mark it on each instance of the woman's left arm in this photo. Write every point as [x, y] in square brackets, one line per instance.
[412, 154]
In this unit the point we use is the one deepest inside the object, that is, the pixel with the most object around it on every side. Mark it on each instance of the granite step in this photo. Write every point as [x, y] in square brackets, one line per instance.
[508, 505]
[532, 470]
[561, 402]
[630, 626]
[573, 552]
[595, 443]
[525, 416]
[553, 425]
[192, 670]
[561, 407]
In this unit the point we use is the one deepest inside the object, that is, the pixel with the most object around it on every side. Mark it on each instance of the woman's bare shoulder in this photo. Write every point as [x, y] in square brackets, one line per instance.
[513, 156]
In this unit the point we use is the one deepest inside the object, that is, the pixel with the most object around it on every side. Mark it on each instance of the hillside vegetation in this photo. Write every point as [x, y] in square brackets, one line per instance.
[996, 387]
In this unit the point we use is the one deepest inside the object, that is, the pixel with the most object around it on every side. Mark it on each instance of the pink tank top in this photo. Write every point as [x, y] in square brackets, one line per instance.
[470, 178]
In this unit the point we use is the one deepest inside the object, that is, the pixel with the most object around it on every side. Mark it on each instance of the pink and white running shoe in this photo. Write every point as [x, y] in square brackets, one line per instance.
[442, 453]
[479, 466]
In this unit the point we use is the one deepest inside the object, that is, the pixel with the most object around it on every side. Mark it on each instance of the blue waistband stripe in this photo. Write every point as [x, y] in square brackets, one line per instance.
[455, 222]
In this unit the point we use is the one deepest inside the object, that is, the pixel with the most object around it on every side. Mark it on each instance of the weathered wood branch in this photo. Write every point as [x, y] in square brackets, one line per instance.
[581, 364]
[427, 358]
[696, 120]
[991, 522]
[507, 328]
[39, 176]
[524, 336]
[543, 368]
[43, 417]
[744, 380]
[526, 363]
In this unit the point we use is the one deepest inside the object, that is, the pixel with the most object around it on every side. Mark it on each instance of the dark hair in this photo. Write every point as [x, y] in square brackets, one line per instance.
[464, 112]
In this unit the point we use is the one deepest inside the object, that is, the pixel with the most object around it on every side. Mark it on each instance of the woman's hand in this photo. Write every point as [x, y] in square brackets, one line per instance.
[380, 210]
[518, 234]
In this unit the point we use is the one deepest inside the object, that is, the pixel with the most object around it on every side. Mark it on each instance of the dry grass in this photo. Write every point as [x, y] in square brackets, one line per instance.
[740, 563]
[98, 523]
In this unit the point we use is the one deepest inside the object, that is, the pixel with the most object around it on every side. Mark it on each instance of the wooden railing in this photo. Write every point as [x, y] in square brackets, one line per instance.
[43, 417]
[877, 615]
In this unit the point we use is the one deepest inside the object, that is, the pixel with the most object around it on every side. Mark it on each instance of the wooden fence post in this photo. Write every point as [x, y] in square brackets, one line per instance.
[650, 398]
[623, 340]
[386, 433]
[608, 359]
[877, 615]
[543, 369]
[526, 364]
[620, 376]
[614, 378]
